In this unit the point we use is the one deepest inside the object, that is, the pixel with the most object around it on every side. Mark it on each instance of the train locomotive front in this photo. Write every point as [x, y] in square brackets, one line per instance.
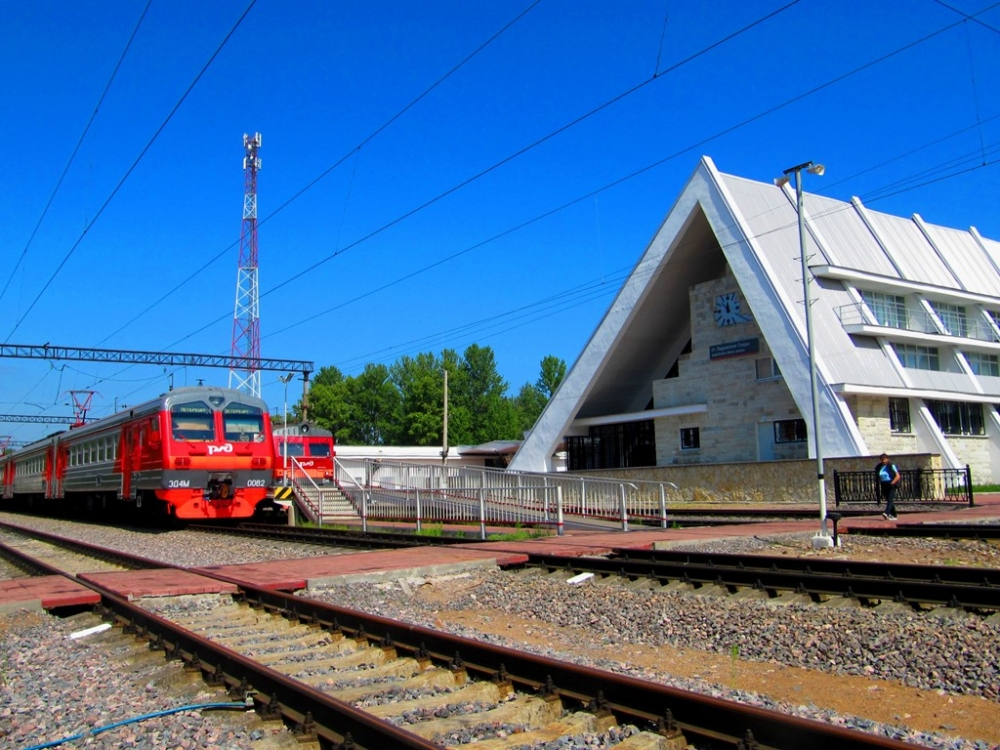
[219, 459]
[194, 453]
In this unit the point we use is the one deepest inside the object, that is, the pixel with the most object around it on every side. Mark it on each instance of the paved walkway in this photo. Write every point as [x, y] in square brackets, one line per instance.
[53, 592]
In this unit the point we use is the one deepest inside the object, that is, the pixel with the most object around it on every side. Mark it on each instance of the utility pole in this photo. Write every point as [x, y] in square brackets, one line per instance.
[444, 444]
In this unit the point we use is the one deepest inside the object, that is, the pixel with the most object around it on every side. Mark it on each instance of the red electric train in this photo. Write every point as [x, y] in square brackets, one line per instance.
[193, 453]
[309, 450]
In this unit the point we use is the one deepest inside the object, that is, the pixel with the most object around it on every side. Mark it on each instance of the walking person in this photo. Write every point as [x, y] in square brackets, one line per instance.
[888, 479]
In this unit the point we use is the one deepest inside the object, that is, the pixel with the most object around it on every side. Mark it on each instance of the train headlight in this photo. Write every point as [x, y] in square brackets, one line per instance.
[182, 462]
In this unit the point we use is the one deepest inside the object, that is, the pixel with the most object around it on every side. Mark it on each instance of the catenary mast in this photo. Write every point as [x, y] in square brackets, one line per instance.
[244, 374]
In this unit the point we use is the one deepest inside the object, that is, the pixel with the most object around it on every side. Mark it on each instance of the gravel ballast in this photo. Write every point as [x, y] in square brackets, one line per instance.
[957, 655]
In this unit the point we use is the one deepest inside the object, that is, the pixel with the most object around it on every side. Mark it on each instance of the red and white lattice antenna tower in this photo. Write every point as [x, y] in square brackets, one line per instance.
[244, 372]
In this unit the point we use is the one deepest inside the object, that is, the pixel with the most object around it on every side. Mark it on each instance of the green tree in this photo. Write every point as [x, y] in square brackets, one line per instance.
[480, 397]
[420, 382]
[375, 403]
[329, 403]
[553, 372]
[533, 398]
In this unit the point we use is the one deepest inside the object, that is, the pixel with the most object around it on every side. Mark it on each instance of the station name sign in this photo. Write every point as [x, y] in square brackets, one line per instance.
[734, 349]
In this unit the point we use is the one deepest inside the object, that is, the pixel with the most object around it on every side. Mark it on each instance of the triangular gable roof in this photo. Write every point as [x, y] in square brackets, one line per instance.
[753, 227]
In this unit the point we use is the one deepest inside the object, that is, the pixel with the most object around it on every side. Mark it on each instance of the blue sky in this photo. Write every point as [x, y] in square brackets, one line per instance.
[427, 179]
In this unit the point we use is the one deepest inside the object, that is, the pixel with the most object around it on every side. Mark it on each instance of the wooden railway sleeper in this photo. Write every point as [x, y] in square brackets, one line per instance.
[305, 730]
[241, 691]
[549, 691]
[214, 678]
[268, 707]
[192, 662]
[667, 726]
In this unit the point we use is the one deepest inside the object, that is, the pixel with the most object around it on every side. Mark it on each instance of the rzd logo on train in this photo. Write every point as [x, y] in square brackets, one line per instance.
[213, 449]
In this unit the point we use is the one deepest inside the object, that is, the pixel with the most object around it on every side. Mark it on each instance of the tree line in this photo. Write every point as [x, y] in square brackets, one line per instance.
[403, 403]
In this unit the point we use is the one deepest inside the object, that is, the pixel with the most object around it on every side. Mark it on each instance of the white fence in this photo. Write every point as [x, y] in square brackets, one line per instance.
[418, 494]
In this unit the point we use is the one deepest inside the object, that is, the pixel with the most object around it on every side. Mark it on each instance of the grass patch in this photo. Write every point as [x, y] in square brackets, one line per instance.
[518, 534]
[986, 488]
[434, 529]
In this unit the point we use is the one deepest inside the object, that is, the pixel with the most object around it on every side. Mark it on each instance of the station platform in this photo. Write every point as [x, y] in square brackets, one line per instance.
[53, 592]
[44, 592]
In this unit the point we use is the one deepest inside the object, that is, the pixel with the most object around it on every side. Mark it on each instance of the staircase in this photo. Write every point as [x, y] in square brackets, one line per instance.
[333, 504]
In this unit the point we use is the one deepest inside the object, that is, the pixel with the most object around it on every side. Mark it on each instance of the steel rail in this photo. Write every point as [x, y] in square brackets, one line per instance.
[934, 530]
[701, 719]
[896, 571]
[314, 714]
[983, 594]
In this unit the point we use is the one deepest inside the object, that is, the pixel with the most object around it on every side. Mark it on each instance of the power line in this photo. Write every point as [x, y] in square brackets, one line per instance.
[128, 172]
[460, 185]
[76, 149]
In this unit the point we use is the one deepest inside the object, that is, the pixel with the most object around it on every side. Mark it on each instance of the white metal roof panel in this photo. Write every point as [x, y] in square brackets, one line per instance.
[846, 239]
[843, 359]
[966, 258]
[774, 226]
[773, 229]
[910, 251]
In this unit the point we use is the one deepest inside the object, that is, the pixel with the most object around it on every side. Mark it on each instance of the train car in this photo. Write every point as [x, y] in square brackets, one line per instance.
[303, 449]
[193, 453]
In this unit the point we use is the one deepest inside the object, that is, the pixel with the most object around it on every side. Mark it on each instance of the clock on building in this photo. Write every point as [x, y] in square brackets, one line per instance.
[727, 310]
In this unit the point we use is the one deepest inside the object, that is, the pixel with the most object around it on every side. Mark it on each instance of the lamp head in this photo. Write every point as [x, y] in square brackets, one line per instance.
[782, 181]
[817, 169]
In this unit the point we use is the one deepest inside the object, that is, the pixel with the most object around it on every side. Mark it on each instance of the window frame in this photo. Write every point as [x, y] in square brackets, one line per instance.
[690, 438]
[790, 431]
[914, 356]
[771, 364]
[899, 417]
[888, 309]
[958, 418]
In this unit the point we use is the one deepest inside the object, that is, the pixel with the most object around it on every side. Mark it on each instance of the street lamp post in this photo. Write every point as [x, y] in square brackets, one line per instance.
[823, 539]
[284, 443]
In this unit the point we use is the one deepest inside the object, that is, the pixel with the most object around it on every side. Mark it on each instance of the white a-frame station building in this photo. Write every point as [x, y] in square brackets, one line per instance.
[703, 357]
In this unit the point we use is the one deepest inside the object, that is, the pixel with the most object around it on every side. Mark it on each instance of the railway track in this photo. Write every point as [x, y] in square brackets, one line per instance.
[918, 586]
[313, 664]
[934, 530]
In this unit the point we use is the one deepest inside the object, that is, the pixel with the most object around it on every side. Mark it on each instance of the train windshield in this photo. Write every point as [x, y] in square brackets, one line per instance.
[294, 449]
[192, 421]
[319, 450]
[243, 423]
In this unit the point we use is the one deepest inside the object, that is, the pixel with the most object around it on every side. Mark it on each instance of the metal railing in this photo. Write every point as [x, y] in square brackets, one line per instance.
[919, 321]
[915, 486]
[382, 490]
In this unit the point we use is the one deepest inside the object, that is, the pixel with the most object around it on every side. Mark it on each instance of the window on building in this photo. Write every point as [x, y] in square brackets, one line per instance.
[612, 446]
[899, 415]
[767, 368]
[690, 438]
[888, 309]
[984, 364]
[957, 418]
[790, 431]
[953, 318]
[918, 357]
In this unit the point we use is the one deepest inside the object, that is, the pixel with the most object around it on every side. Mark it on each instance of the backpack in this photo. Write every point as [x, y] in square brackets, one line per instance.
[893, 471]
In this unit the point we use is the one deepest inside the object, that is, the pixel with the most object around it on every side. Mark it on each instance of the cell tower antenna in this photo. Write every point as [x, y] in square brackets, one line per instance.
[244, 373]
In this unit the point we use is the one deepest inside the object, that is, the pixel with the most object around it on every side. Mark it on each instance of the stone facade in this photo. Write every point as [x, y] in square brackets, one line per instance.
[774, 482]
[730, 369]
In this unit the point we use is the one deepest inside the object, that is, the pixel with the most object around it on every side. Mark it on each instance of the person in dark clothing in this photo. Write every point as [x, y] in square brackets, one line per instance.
[888, 479]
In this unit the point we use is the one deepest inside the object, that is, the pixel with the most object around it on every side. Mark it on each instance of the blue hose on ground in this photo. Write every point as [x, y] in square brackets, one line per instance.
[98, 730]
